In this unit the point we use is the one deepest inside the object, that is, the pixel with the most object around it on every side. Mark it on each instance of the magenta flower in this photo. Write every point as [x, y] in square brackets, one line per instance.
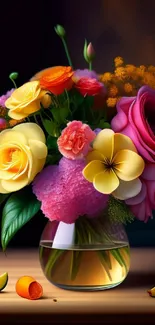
[136, 119]
[75, 140]
[65, 194]
[3, 98]
[142, 204]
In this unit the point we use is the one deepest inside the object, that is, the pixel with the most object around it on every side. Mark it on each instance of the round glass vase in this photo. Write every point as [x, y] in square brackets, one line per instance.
[90, 254]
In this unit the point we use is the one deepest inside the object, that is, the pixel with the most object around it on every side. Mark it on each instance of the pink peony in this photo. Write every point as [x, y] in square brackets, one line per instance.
[65, 194]
[136, 119]
[143, 204]
[75, 140]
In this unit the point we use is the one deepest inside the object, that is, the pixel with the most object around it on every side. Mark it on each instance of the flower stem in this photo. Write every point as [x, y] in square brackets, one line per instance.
[35, 118]
[67, 52]
[13, 83]
[90, 65]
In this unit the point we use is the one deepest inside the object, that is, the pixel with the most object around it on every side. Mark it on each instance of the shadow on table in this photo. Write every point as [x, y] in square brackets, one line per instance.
[138, 279]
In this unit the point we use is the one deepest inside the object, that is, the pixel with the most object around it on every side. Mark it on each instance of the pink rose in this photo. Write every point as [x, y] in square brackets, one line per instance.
[75, 140]
[136, 119]
[142, 204]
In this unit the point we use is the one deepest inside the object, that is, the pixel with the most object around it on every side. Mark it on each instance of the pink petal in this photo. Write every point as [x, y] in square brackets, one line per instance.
[149, 172]
[119, 122]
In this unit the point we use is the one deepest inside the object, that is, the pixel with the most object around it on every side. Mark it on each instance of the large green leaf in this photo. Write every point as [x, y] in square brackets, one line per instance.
[50, 127]
[18, 210]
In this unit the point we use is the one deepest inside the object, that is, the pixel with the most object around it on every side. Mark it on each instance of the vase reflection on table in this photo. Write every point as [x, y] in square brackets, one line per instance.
[90, 254]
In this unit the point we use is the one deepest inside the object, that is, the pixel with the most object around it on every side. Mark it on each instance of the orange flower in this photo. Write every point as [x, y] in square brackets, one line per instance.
[55, 79]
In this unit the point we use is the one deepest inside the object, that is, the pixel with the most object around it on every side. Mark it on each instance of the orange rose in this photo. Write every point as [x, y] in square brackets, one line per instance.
[55, 79]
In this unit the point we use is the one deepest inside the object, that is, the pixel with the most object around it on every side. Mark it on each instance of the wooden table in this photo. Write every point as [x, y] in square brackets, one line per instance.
[127, 303]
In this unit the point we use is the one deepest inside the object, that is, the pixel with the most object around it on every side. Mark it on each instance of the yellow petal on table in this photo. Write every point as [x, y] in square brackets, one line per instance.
[38, 149]
[32, 131]
[104, 142]
[94, 155]
[93, 168]
[12, 137]
[127, 190]
[128, 165]
[13, 186]
[122, 142]
[106, 182]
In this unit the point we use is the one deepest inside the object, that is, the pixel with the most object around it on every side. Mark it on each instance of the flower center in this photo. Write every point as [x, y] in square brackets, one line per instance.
[108, 164]
[13, 159]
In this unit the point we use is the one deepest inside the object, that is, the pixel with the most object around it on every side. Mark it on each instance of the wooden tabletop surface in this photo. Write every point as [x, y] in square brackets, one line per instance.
[122, 304]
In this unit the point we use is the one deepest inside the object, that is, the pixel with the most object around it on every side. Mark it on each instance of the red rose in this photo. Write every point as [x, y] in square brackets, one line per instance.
[89, 86]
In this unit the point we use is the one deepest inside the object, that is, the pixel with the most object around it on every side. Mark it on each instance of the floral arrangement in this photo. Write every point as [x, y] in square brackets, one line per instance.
[74, 143]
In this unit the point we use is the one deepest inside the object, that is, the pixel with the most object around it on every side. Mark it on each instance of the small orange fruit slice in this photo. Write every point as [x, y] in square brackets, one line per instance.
[27, 287]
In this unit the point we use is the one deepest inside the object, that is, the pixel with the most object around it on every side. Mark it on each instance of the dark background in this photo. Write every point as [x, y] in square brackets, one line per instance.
[28, 44]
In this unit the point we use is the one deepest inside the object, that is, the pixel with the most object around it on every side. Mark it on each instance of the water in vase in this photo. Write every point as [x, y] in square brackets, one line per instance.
[85, 269]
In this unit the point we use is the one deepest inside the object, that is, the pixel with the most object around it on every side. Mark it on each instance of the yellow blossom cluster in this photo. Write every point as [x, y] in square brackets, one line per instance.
[126, 79]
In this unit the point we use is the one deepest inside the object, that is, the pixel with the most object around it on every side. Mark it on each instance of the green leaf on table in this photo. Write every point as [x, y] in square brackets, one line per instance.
[18, 210]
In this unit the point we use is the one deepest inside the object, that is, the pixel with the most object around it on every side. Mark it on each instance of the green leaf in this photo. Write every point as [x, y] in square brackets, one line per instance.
[85, 51]
[18, 210]
[50, 127]
[52, 143]
[60, 113]
[52, 159]
[104, 125]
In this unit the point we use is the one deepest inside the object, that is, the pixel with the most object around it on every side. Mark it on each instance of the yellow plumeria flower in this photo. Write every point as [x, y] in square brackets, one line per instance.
[22, 156]
[114, 165]
[25, 100]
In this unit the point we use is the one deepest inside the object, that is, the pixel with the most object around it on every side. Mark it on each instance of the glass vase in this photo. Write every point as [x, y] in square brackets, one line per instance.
[90, 254]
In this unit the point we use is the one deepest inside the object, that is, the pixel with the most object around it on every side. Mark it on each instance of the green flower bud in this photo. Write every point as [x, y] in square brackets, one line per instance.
[13, 75]
[85, 51]
[60, 31]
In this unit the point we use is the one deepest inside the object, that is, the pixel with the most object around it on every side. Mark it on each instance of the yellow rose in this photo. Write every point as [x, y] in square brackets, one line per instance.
[22, 156]
[25, 100]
